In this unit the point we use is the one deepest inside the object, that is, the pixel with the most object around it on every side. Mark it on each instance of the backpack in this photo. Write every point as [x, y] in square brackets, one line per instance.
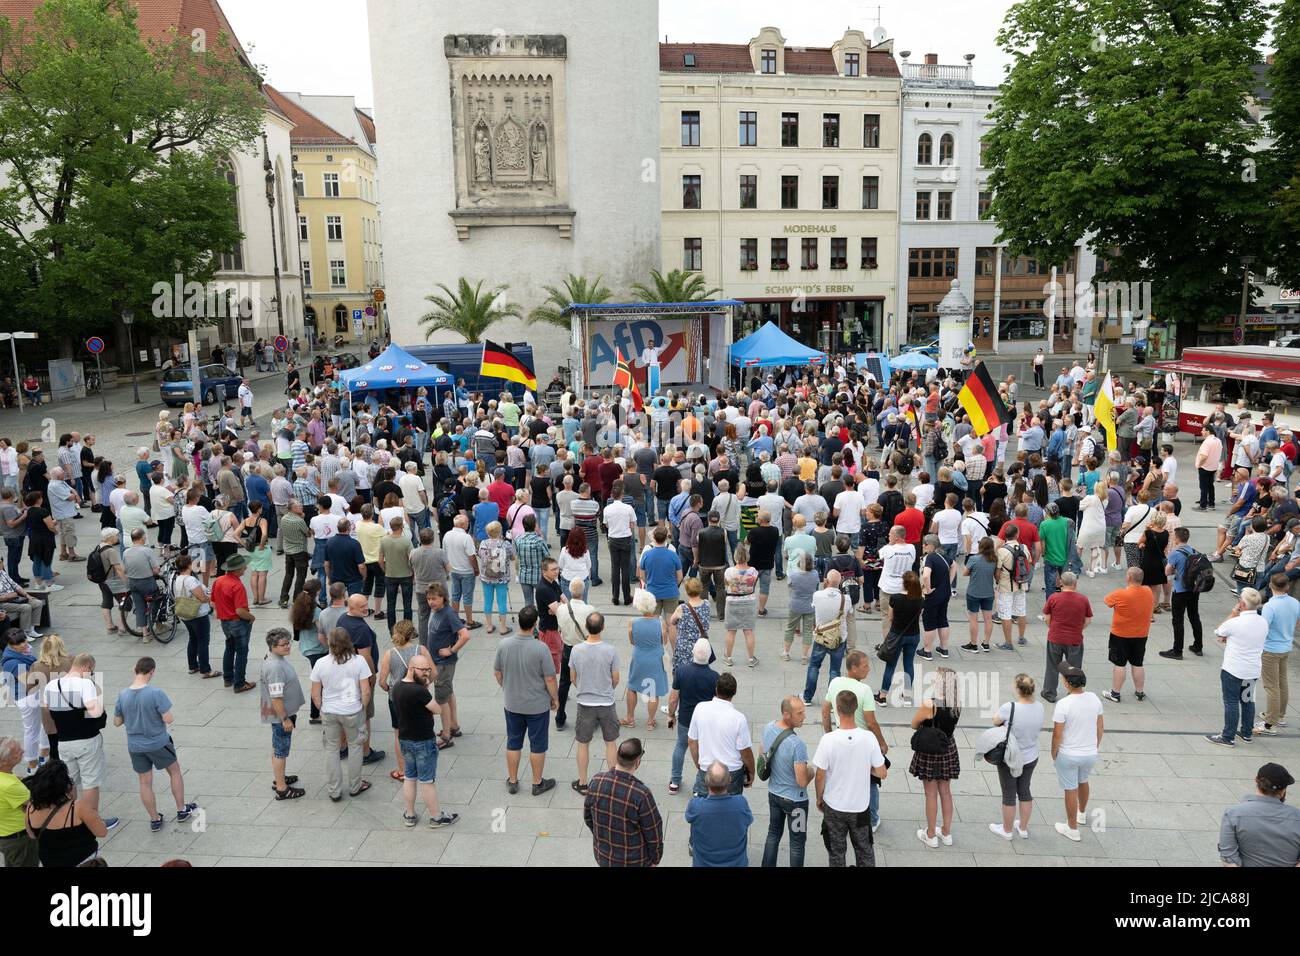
[1198, 573]
[906, 463]
[212, 526]
[940, 449]
[96, 566]
[1021, 569]
[498, 561]
[251, 536]
[448, 507]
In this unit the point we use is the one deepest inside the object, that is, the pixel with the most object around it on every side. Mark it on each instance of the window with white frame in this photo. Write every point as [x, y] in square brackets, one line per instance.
[303, 234]
[338, 274]
[331, 185]
[306, 273]
[334, 228]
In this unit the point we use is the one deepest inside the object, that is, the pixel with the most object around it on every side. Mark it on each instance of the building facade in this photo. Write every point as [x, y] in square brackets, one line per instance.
[779, 181]
[943, 235]
[337, 226]
[516, 152]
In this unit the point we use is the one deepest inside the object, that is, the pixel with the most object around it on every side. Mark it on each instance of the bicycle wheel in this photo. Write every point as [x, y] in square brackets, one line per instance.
[164, 619]
[124, 611]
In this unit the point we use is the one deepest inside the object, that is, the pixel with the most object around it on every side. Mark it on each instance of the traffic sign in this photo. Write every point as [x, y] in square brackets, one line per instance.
[370, 310]
[95, 345]
[281, 343]
[356, 315]
[379, 295]
[1238, 335]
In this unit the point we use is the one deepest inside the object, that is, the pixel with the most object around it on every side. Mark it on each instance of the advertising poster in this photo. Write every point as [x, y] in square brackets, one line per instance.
[632, 337]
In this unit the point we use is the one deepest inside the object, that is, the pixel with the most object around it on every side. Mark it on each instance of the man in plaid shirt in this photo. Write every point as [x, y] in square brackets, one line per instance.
[530, 549]
[621, 813]
[305, 490]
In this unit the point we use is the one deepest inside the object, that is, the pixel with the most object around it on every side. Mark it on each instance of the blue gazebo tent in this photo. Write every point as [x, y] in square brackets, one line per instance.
[393, 368]
[770, 346]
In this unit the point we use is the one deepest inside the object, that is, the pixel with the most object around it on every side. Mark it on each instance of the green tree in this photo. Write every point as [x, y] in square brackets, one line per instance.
[575, 289]
[468, 311]
[1125, 121]
[111, 145]
[676, 286]
[1281, 173]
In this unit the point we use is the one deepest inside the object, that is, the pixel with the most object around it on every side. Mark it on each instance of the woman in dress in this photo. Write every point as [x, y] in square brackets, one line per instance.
[67, 828]
[874, 534]
[1154, 545]
[741, 582]
[645, 674]
[1092, 532]
[253, 534]
[981, 567]
[936, 771]
[689, 622]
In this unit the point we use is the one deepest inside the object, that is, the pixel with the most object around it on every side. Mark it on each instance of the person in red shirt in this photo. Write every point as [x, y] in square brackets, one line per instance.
[1028, 534]
[501, 492]
[610, 470]
[590, 471]
[912, 520]
[1067, 613]
[230, 601]
[932, 403]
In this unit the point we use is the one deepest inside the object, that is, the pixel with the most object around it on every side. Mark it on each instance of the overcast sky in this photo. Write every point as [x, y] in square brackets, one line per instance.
[322, 46]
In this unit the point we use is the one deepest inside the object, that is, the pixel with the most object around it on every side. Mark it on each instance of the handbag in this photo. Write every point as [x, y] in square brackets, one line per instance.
[889, 648]
[1243, 575]
[999, 751]
[930, 739]
[187, 605]
[829, 635]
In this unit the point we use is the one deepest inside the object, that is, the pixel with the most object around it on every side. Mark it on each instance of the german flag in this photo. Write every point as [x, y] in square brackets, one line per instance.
[623, 379]
[979, 397]
[500, 363]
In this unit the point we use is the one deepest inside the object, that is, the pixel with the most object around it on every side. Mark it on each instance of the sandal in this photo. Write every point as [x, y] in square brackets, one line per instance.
[445, 744]
[290, 793]
[579, 787]
[627, 723]
[490, 629]
[289, 781]
[456, 732]
[365, 785]
[397, 775]
[650, 725]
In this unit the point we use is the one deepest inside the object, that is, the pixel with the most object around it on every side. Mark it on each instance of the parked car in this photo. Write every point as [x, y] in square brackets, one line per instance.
[930, 348]
[214, 381]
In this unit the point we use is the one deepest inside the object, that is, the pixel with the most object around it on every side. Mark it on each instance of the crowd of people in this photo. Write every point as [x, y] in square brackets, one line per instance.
[872, 501]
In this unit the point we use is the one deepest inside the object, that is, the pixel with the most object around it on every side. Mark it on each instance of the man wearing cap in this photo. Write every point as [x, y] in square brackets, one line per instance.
[1262, 830]
[230, 601]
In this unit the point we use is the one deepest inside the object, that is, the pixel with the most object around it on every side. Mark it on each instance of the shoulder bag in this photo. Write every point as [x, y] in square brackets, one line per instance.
[930, 739]
[829, 635]
[999, 751]
[765, 759]
[187, 605]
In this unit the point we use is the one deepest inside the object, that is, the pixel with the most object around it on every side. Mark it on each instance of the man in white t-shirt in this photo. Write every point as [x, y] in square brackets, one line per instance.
[947, 524]
[869, 489]
[719, 732]
[847, 510]
[620, 526]
[974, 529]
[1242, 636]
[462, 556]
[896, 559]
[340, 688]
[846, 759]
[1077, 729]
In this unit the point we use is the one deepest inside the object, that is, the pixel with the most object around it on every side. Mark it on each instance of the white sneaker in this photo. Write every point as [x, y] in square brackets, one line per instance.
[1023, 834]
[931, 841]
[1082, 818]
[753, 662]
[1069, 834]
[54, 587]
[998, 831]
[1092, 574]
[785, 655]
[727, 662]
[945, 838]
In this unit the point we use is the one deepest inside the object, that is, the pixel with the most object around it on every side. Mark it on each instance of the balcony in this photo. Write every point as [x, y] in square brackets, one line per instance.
[940, 74]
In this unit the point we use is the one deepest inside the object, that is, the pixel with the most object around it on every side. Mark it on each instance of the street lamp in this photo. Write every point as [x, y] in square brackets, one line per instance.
[128, 318]
[1246, 262]
[270, 202]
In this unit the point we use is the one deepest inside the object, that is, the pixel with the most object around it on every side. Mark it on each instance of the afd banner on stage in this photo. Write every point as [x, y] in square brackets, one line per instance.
[633, 337]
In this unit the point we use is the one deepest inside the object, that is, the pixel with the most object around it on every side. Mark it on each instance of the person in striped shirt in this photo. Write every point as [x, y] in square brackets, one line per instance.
[531, 550]
[300, 449]
[586, 511]
[305, 490]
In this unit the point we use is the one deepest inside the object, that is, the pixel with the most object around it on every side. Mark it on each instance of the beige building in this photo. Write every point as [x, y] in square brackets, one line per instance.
[779, 178]
[337, 221]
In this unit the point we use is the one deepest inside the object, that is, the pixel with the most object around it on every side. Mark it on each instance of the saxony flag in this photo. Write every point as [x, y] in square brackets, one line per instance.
[500, 363]
[981, 401]
[1104, 410]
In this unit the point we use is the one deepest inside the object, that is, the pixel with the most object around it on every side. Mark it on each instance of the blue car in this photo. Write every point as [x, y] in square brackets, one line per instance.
[177, 388]
[931, 349]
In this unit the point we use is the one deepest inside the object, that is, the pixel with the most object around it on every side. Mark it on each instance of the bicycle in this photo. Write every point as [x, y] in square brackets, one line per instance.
[93, 384]
[160, 606]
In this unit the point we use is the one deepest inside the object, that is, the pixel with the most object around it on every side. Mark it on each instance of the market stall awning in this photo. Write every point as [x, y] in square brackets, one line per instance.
[393, 368]
[1212, 369]
[770, 346]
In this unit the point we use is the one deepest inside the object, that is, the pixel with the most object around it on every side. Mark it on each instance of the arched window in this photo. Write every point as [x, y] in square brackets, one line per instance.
[340, 318]
[233, 260]
[945, 149]
[924, 150]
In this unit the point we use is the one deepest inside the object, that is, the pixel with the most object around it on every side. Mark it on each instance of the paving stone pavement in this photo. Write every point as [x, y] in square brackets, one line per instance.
[1158, 791]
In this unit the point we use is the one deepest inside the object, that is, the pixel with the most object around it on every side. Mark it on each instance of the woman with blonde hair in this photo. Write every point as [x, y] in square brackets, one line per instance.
[1153, 546]
[1025, 716]
[934, 754]
[495, 555]
[741, 583]
[52, 662]
[646, 675]
[392, 671]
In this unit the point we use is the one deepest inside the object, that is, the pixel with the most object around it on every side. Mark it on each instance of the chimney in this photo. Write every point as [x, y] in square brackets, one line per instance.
[932, 59]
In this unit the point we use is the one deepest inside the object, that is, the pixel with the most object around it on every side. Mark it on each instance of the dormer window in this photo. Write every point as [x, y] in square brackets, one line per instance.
[852, 64]
[688, 60]
[767, 59]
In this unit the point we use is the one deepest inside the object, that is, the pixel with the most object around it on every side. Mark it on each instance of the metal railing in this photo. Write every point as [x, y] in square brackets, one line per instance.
[937, 71]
